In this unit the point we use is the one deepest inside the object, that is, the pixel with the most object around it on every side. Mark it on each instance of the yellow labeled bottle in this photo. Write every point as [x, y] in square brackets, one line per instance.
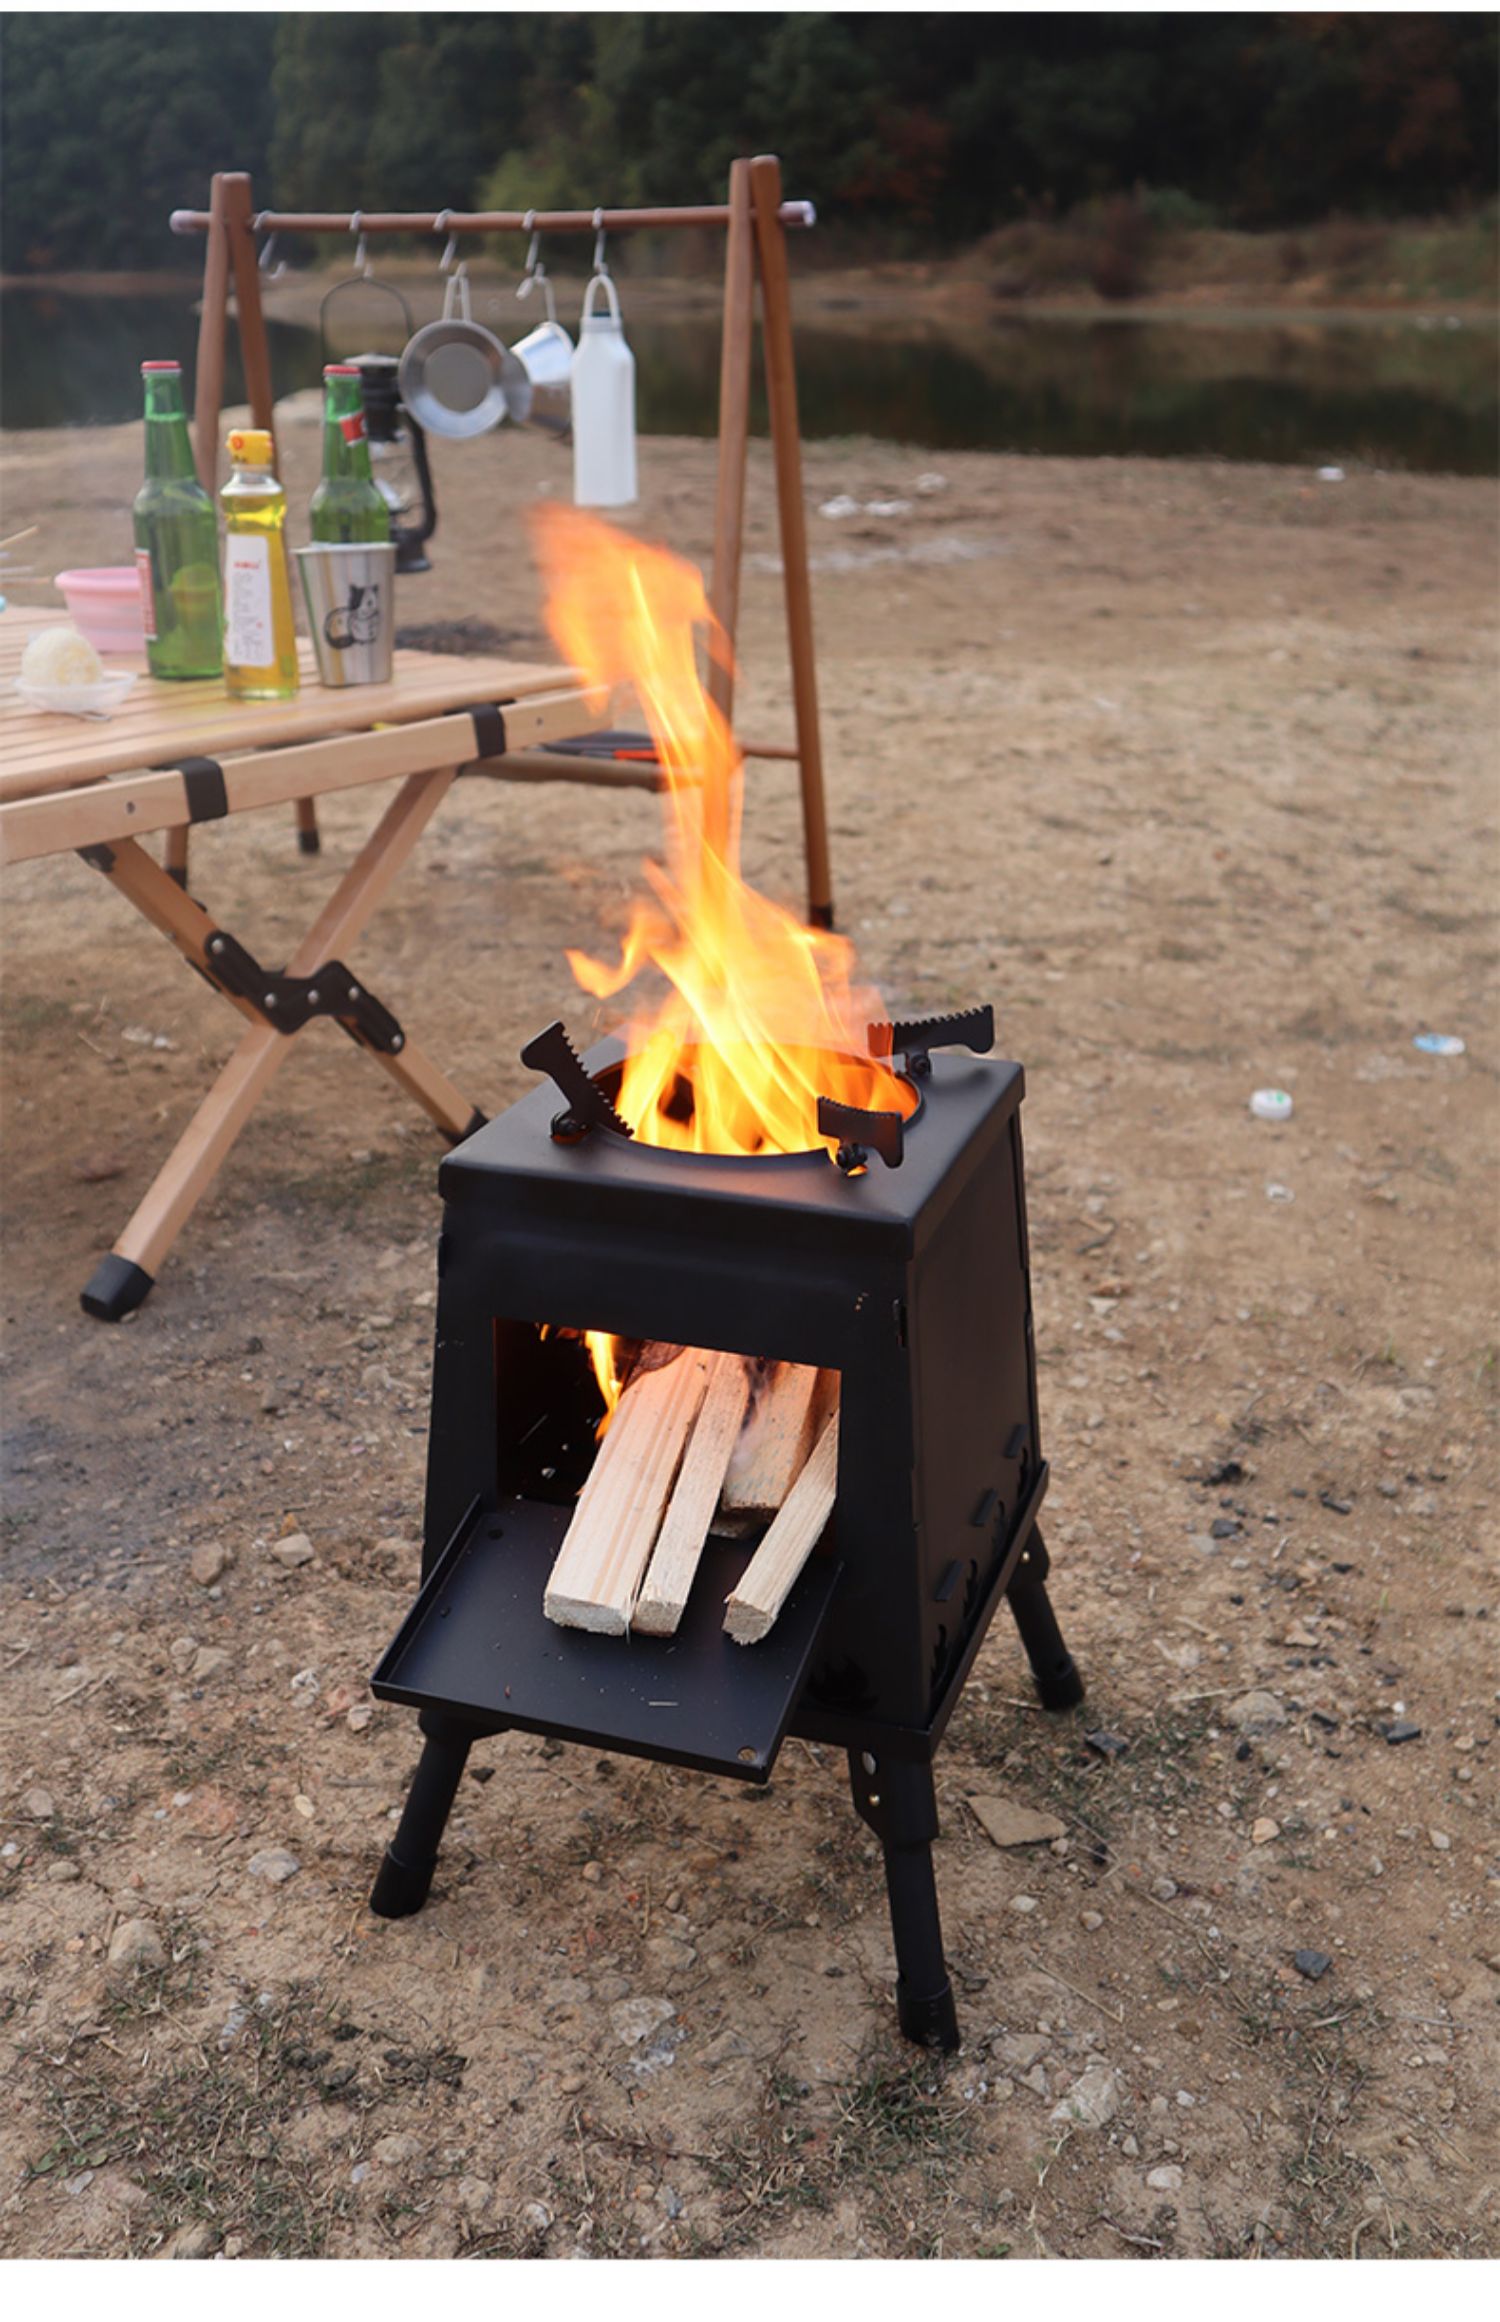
[260, 637]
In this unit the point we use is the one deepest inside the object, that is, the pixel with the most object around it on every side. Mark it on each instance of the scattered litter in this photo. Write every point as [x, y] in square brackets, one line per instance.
[887, 507]
[1271, 1104]
[1439, 1043]
[1334, 1504]
[931, 482]
[1330, 475]
[840, 505]
[1280, 1193]
[1313, 1964]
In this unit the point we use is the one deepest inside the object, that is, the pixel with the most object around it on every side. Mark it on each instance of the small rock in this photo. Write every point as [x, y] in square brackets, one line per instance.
[1263, 1830]
[571, 2084]
[209, 1562]
[1036, 2080]
[593, 1872]
[190, 2241]
[1093, 2100]
[1007, 1824]
[1339, 1507]
[1130, 2147]
[135, 1945]
[398, 2152]
[62, 1872]
[1092, 1920]
[633, 2020]
[1164, 1889]
[306, 1686]
[1225, 1528]
[1022, 2049]
[537, 2217]
[274, 1864]
[98, 1168]
[1023, 1903]
[1166, 2179]
[296, 1549]
[1106, 1745]
[724, 2047]
[1399, 1729]
[359, 1716]
[1313, 1964]
[475, 2194]
[1440, 1840]
[209, 1660]
[1255, 1713]
[39, 1804]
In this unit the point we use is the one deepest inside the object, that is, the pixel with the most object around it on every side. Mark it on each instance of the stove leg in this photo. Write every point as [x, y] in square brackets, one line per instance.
[1052, 1666]
[403, 1880]
[896, 1798]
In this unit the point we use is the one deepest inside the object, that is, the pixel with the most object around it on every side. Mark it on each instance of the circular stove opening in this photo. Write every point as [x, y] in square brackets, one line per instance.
[822, 1068]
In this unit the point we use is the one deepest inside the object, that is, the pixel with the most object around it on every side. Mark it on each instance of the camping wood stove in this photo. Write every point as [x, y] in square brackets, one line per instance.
[908, 1275]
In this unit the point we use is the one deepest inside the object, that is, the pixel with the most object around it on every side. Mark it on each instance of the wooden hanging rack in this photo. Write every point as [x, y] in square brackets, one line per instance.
[754, 220]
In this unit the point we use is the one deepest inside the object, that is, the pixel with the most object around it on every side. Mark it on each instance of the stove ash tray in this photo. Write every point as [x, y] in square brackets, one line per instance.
[478, 1643]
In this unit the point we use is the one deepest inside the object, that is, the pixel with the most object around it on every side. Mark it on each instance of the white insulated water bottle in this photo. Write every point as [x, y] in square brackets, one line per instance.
[603, 381]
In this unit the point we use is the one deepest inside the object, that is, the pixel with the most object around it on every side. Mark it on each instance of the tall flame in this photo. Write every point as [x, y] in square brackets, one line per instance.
[761, 1015]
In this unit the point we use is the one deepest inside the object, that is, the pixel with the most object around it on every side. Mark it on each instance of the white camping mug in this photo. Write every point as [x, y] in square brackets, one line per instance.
[603, 380]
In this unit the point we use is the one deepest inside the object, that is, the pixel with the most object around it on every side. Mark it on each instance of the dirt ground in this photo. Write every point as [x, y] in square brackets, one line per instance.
[1191, 771]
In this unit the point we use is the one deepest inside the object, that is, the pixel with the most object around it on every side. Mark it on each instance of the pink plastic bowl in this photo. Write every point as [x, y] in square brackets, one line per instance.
[105, 603]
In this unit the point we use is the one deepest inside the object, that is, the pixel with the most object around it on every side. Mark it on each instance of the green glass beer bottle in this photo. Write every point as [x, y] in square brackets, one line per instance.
[176, 540]
[346, 507]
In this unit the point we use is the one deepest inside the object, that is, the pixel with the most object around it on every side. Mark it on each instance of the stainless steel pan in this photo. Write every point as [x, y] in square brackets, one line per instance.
[456, 378]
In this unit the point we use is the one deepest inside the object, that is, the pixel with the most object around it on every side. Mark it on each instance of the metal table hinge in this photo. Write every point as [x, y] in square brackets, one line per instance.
[287, 1002]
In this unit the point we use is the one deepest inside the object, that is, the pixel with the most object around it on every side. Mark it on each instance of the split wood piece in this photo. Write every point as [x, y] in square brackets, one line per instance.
[594, 1582]
[783, 1426]
[750, 1613]
[668, 1582]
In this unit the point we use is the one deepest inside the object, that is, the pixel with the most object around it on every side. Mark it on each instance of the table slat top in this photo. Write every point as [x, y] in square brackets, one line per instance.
[161, 722]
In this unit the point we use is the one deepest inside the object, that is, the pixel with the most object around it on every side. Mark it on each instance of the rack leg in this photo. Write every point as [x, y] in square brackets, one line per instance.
[309, 837]
[897, 1799]
[1053, 1670]
[405, 1876]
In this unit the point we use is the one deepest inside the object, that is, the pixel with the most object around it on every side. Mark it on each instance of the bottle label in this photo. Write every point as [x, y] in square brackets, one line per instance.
[352, 427]
[249, 642]
[148, 594]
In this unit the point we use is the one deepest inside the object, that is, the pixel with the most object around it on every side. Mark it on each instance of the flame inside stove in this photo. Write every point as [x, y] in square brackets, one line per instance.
[760, 1014]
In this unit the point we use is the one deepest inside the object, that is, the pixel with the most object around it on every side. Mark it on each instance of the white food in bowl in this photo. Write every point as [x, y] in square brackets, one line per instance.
[60, 659]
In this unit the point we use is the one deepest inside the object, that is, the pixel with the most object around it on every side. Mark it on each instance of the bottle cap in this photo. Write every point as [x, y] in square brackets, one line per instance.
[252, 445]
[161, 366]
[341, 370]
[1271, 1104]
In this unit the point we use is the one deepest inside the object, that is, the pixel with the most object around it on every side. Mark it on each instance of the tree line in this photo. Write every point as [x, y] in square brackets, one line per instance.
[914, 128]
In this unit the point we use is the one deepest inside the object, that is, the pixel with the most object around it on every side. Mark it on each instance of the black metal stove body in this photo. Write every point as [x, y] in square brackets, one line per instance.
[912, 1283]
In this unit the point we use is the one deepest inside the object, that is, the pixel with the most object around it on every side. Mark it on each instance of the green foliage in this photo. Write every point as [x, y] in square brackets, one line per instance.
[953, 123]
[110, 122]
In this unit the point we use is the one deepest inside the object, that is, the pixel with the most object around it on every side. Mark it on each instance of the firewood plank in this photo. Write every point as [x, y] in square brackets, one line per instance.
[607, 1547]
[766, 1581]
[674, 1561]
[779, 1434]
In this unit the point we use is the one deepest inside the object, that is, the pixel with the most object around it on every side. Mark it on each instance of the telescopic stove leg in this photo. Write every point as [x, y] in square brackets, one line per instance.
[402, 1882]
[897, 1799]
[1052, 1666]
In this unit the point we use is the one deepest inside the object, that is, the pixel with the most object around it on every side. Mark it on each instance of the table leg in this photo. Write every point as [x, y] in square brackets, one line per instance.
[123, 1279]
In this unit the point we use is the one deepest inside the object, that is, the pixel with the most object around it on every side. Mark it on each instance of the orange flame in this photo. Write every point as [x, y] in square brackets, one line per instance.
[761, 1015]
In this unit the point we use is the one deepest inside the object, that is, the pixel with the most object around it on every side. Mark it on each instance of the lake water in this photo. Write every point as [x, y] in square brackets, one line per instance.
[1396, 392]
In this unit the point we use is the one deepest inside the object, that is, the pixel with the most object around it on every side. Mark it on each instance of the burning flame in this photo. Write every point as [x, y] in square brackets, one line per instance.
[761, 1015]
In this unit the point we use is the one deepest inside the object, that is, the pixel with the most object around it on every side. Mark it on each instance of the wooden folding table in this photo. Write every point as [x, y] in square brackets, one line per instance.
[176, 754]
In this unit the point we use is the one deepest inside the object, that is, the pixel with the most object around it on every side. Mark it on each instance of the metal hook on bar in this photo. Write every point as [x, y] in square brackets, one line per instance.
[534, 271]
[450, 247]
[600, 265]
[361, 254]
[271, 267]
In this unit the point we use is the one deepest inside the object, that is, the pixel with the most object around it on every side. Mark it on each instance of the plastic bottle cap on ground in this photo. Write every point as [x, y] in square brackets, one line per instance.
[1439, 1043]
[1271, 1104]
